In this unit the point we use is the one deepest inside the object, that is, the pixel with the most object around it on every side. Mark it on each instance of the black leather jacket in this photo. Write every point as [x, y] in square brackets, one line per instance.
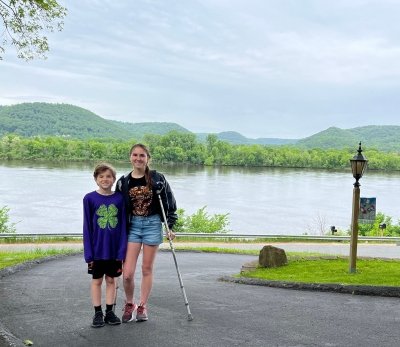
[167, 197]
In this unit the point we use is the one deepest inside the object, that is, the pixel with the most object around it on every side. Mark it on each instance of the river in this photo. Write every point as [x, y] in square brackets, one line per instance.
[47, 197]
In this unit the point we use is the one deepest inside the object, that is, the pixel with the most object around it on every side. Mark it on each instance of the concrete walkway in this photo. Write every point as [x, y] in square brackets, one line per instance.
[377, 250]
[49, 304]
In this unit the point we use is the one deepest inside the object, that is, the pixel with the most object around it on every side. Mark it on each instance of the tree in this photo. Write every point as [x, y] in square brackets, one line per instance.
[25, 24]
[5, 225]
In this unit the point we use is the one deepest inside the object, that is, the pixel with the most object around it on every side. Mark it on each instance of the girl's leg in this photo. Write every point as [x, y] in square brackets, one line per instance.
[129, 267]
[149, 255]
[110, 290]
[95, 289]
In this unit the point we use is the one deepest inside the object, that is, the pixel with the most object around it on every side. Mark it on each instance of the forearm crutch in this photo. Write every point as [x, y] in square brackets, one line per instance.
[158, 191]
[116, 293]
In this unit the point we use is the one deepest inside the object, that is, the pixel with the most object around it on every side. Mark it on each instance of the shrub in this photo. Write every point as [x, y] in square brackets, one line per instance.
[373, 229]
[5, 225]
[201, 222]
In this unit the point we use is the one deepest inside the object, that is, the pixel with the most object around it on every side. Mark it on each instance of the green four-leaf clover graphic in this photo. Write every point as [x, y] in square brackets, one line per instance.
[107, 216]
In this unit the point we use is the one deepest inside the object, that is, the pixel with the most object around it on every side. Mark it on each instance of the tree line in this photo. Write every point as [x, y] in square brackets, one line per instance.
[176, 147]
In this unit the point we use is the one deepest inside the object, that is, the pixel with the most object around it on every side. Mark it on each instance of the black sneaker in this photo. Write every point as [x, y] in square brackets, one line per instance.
[98, 320]
[111, 318]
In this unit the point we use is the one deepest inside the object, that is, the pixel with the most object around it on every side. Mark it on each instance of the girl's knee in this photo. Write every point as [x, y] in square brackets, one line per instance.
[128, 277]
[147, 270]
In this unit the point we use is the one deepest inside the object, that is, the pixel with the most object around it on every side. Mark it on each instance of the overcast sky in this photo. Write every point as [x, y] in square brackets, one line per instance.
[283, 68]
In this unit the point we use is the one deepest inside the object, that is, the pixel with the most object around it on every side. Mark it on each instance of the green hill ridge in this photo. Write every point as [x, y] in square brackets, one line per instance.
[46, 119]
[157, 128]
[382, 137]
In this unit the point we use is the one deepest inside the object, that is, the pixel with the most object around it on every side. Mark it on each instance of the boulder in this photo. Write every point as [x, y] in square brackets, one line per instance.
[272, 257]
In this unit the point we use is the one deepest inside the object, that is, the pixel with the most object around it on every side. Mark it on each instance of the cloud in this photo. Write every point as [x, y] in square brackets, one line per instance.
[263, 68]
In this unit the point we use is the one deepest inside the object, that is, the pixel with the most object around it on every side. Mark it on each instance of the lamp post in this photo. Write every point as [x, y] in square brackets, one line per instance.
[358, 166]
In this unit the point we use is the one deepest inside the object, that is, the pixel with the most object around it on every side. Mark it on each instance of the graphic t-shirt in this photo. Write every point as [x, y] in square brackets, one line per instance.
[141, 197]
[104, 227]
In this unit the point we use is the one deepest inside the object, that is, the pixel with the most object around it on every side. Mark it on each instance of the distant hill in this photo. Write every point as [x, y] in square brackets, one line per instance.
[32, 119]
[382, 137]
[236, 138]
[330, 138]
[157, 128]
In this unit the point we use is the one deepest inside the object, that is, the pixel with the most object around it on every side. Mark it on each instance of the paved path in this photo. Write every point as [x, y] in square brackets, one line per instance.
[50, 305]
[334, 248]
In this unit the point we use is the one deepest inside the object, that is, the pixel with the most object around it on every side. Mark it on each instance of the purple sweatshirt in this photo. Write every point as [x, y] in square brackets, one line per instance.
[104, 227]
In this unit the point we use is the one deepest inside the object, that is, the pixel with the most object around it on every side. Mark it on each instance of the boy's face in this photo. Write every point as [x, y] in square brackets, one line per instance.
[105, 180]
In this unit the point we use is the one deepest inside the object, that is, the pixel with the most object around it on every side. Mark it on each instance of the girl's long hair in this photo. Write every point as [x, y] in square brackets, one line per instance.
[147, 175]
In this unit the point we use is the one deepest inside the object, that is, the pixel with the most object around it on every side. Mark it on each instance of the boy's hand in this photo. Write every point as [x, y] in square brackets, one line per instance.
[90, 268]
[119, 266]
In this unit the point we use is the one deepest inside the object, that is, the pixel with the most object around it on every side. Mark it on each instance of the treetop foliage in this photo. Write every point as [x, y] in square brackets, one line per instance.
[25, 24]
[5, 225]
[176, 147]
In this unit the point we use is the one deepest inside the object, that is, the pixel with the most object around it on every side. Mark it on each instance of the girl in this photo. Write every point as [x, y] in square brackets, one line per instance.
[144, 226]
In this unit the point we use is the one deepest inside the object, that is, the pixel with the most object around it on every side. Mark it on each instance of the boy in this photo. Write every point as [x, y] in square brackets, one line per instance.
[104, 241]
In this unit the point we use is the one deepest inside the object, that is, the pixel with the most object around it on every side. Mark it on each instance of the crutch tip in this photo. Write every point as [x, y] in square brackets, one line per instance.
[190, 317]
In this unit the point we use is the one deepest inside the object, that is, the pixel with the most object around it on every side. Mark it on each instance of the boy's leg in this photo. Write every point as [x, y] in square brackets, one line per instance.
[110, 290]
[98, 318]
[110, 317]
[95, 290]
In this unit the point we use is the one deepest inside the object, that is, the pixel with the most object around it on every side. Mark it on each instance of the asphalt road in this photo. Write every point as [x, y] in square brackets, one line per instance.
[49, 304]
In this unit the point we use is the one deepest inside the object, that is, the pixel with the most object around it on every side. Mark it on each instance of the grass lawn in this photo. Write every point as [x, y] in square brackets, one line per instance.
[374, 272]
[310, 267]
[10, 258]
[302, 267]
[185, 239]
[256, 252]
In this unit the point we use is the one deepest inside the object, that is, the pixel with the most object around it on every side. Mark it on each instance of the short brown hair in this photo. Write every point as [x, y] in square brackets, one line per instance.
[100, 168]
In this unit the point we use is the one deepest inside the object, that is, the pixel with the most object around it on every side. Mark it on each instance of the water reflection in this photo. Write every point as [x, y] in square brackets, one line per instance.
[47, 197]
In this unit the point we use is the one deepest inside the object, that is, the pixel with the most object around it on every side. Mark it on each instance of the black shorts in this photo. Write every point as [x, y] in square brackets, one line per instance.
[110, 268]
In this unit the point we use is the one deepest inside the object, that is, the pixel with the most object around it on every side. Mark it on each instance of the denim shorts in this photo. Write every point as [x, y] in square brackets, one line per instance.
[146, 230]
